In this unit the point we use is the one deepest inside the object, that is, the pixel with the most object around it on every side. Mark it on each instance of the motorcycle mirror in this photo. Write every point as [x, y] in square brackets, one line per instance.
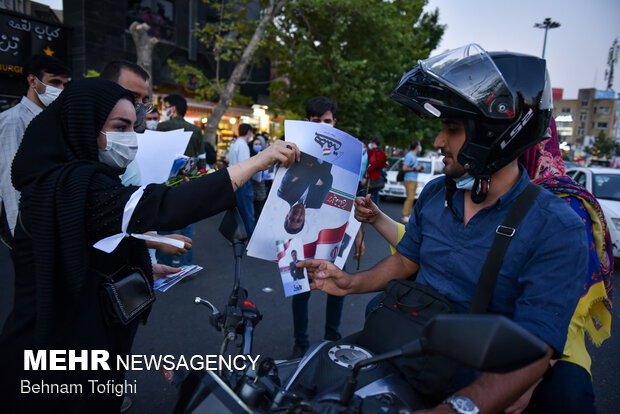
[491, 343]
[232, 227]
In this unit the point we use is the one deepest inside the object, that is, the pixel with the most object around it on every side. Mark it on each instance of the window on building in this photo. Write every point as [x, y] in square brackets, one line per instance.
[580, 131]
[159, 14]
[566, 110]
[601, 125]
[585, 98]
[583, 116]
[604, 110]
[594, 110]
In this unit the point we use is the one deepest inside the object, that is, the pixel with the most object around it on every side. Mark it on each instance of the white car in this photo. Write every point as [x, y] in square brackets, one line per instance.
[604, 183]
[433, 167]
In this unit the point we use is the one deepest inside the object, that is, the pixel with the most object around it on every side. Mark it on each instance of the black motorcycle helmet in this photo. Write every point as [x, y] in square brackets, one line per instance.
[504, 99]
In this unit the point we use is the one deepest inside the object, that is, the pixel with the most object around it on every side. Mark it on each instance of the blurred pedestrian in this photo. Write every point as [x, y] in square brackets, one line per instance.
[258, 181]
[240, 151]
[377, 161]
[411, 168]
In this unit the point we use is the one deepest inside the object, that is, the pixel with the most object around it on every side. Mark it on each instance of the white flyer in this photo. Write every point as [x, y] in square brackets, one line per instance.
[294, 279]
[311, 200]
[157, 151]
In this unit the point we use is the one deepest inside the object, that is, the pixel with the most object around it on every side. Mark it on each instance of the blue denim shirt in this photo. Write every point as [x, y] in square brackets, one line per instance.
[411, 160]
[541, 277]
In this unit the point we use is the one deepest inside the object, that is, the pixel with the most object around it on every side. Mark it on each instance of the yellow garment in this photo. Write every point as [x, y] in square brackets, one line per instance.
[401, 233]
[591, 314]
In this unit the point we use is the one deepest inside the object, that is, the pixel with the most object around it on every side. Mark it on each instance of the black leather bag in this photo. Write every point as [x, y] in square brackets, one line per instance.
[125, 298]
[400, 177]
[399, 317]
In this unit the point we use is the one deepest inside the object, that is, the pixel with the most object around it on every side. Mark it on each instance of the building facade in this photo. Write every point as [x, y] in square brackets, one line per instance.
[580, 120]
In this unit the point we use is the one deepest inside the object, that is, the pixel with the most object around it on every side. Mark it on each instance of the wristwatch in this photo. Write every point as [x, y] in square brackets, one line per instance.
[462, 405]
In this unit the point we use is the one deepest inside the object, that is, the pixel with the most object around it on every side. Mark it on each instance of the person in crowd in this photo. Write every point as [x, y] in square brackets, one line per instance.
[133, 77]
[319, 109]
[258, 180]
[411, 168]
[240, 151]
[151, 119]
[377, 161]
[467, 216]
[46, 77]
[63, 253]
[175, 107]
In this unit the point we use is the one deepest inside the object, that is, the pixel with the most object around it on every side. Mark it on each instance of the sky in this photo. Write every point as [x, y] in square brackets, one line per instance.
[576, 51]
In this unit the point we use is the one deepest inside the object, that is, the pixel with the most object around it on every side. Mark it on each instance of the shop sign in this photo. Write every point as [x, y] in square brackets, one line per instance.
[22, 36]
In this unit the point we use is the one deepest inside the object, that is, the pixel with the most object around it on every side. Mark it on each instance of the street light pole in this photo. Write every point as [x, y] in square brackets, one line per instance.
[546, 24]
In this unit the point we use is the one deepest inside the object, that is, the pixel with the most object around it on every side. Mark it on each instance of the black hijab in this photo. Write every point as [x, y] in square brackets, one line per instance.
[53, 169]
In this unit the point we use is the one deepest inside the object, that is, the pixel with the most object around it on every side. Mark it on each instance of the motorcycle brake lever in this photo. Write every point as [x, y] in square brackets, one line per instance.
[199, 301]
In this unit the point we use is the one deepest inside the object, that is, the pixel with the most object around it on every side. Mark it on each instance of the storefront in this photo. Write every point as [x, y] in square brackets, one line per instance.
[21, 36]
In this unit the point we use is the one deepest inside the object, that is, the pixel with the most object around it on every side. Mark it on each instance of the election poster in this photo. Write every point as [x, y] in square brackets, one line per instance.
[294, 279]
[311, 200]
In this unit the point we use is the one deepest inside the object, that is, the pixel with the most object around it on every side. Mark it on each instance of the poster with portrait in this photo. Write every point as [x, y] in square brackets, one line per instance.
[312, 199]
[294, 279]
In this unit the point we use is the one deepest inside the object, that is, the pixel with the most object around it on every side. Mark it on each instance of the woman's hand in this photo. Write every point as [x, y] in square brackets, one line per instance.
[280, 151]
[327, 277]
[160, 270]
[170, 249]
[365, 210]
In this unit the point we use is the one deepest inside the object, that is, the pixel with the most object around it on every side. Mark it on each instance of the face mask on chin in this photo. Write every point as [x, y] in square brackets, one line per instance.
[152, 124]
[120, 149]
[464, 182]
[166, 114]
[257, 148]
[50, 94]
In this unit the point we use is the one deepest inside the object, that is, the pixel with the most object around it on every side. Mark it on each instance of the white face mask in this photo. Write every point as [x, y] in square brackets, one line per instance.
[120, 150]
[51, 93]
[166, 114]
[152, 124]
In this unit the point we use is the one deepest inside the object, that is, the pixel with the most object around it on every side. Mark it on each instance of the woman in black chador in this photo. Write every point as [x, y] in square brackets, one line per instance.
[67, 170]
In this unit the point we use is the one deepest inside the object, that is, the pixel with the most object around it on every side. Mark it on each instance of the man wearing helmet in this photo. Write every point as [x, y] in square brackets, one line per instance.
[493, 106]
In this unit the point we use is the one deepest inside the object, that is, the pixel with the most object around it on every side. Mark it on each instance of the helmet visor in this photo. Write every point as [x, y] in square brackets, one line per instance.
[471, 72]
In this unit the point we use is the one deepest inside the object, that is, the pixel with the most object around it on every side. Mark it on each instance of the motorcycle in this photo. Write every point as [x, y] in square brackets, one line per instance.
[341, 376]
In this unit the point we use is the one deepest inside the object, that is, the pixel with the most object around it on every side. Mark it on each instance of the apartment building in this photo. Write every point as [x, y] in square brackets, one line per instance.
[580, 120]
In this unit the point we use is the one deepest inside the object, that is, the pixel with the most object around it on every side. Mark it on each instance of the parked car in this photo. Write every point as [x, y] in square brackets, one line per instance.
[433, 167]
[604, 183]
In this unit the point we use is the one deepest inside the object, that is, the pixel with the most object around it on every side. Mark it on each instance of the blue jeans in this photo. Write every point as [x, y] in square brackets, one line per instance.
[176, 261]
[245, 205]
[566, 388]
[333, 314]
[374, 196]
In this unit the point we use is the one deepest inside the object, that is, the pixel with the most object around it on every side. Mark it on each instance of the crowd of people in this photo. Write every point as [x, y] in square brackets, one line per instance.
[555, 278]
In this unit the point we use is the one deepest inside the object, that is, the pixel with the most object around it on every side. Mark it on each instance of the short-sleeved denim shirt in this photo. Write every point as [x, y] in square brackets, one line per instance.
[541, 277]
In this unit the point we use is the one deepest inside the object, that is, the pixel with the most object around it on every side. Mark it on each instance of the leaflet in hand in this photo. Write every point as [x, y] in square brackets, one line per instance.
[172, 279]
[294, 279]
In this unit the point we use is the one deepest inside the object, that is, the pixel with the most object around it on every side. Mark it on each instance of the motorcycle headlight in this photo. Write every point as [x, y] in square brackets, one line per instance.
[616, 222]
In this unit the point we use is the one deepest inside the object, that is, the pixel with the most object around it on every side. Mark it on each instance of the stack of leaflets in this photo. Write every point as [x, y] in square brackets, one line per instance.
[172, 279]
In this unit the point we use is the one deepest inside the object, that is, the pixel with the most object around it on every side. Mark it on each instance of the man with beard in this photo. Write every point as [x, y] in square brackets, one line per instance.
[493, 106]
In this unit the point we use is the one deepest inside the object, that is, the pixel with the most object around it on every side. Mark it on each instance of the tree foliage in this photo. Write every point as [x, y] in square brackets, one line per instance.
[355, 52]
[602, 147]
[233, 37]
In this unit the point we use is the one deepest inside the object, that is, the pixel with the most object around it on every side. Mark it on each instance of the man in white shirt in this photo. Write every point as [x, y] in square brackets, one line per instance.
[240, 151]
[46, 77]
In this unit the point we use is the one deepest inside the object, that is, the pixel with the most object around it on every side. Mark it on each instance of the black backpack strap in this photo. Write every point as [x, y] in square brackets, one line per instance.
[503, 236]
